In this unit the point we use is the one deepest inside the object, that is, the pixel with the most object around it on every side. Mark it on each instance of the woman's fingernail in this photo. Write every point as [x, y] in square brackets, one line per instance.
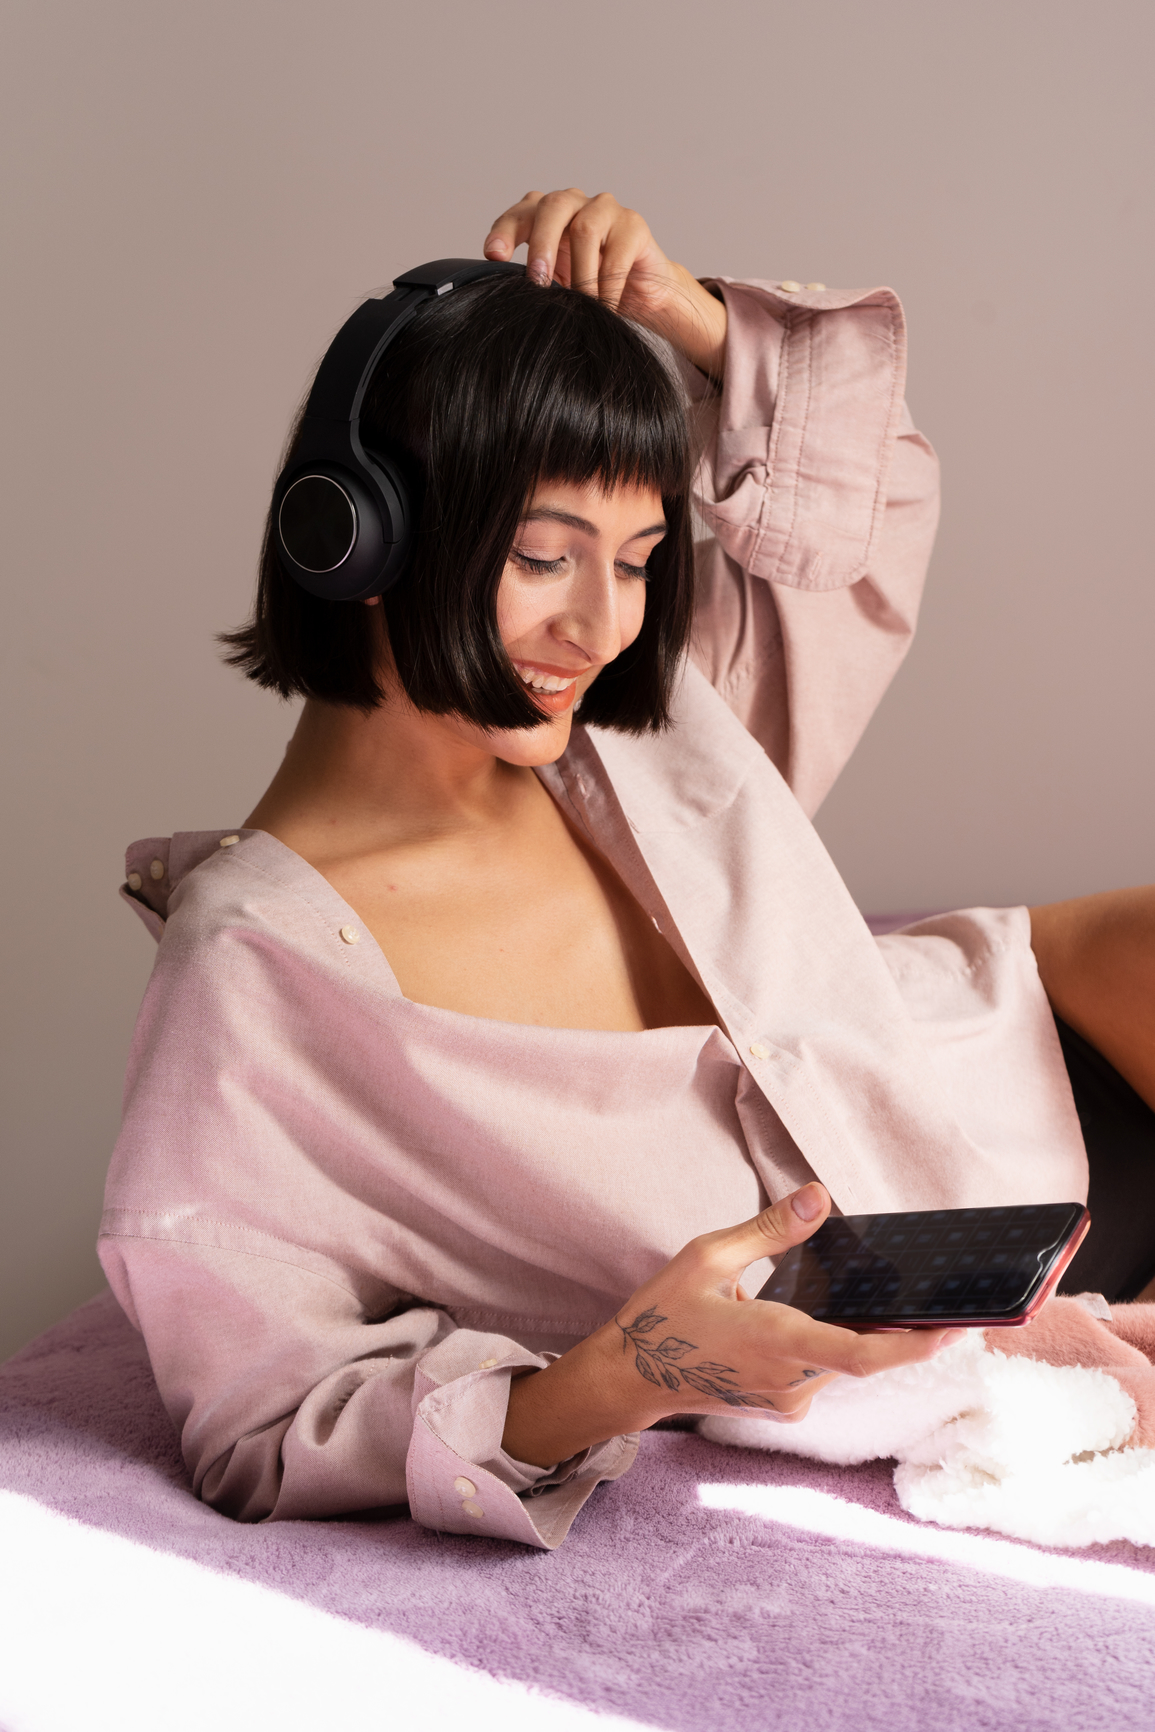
[495, 247]
[807, 1203]
[539, 270]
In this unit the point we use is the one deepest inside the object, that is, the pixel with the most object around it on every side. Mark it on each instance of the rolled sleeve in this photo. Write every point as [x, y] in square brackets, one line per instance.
[459, 1478]
[292, 1403]
[794, 481]
[821, 499]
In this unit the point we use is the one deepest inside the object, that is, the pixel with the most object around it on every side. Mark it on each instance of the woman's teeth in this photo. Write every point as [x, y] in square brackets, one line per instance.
[544, 682]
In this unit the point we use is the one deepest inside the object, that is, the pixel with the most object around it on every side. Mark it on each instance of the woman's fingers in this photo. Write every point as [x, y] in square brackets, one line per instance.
[552, 216]
[600, 229]
[512, 227]
[539, 220]
[795, 1358]
[777, 1353]
[585, 235]
[824, 1347]
[790, 1413]
[787, 1222]
[885, 1348]
[625, 242]
[598, 246]
[588, 243]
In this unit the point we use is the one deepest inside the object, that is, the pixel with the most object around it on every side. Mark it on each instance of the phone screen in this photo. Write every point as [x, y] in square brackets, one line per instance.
[930, 1267]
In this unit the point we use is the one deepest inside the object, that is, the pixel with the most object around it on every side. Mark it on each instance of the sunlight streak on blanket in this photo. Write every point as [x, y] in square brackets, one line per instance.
[99, 1633]
[820, 1513]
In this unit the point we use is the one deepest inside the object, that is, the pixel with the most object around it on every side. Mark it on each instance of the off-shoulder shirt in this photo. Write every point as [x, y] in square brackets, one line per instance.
[342, 1220]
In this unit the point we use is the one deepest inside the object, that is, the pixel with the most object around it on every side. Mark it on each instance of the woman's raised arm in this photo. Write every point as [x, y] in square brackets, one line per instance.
[820, 496]
[821, 499]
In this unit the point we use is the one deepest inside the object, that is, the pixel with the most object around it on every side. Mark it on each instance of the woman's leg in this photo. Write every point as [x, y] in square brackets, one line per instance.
[1096, 957]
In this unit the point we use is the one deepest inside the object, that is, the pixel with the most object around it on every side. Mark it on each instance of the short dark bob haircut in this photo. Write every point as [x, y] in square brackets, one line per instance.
[489, 392]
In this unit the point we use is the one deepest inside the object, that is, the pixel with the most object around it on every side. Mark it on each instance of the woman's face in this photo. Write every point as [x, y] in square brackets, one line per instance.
[571, 599]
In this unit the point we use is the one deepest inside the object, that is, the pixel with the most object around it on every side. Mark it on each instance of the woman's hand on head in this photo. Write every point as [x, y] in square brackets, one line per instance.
[691, 1341]
[598, 246]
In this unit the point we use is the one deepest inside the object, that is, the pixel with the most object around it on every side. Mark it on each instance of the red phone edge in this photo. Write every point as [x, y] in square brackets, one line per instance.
[1062, 1263]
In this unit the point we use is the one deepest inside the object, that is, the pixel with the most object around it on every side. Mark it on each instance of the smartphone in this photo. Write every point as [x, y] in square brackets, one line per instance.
[931, 1268]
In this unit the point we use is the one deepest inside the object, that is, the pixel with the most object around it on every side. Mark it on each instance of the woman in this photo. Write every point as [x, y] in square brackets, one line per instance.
[528, 977]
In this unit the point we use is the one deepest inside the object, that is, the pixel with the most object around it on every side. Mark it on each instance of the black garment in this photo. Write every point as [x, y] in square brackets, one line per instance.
[1117, 1258]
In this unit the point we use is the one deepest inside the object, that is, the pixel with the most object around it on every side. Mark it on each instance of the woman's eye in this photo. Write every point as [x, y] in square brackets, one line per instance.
[551, 567]
[540, 567]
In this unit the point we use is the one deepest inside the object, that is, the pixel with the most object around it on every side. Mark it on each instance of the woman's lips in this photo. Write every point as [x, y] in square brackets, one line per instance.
[552, 689]
[555, 703]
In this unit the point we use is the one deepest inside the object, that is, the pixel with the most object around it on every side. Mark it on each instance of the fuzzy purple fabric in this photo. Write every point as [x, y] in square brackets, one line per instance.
[657, 1608]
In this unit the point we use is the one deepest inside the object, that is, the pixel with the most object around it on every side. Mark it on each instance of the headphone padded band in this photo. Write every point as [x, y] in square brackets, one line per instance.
[328, 443]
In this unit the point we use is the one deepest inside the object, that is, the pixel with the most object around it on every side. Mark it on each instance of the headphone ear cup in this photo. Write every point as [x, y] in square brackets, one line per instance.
[398, 492]
[342, 529]
[342, 517]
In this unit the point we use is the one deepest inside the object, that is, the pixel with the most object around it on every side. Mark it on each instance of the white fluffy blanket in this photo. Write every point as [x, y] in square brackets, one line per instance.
[1045, 1433]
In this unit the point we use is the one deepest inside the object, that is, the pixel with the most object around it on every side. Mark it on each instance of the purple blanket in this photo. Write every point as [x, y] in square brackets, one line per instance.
[669, 1605]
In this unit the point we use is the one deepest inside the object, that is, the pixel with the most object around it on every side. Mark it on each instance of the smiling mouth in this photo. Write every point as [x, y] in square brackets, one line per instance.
[539, 682]
[553, 693]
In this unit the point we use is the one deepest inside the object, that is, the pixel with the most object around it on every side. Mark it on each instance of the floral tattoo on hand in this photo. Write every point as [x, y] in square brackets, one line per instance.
[661, 1363]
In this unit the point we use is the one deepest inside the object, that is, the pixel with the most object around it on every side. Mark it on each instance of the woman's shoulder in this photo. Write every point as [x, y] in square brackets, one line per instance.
[207, 888]
[154, 866]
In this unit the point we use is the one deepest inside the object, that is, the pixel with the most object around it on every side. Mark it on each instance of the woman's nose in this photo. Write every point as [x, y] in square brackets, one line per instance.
[592, 619]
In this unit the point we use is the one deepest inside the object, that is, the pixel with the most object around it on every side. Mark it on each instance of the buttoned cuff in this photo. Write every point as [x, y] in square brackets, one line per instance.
[460, 1479]
[794, 475]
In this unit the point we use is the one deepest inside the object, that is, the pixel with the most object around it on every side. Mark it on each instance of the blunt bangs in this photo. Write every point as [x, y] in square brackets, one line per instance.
[499, 387]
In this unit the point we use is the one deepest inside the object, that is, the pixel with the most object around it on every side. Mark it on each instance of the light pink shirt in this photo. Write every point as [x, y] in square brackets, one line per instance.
[342, 1219]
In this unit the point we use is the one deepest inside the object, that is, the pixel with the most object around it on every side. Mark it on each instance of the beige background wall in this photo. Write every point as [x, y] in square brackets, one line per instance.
[197, 194]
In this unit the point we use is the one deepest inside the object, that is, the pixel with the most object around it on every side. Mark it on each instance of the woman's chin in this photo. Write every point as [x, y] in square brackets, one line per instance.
[529, 748]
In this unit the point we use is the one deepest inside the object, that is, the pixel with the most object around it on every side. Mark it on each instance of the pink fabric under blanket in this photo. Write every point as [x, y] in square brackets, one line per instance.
[669, 1604]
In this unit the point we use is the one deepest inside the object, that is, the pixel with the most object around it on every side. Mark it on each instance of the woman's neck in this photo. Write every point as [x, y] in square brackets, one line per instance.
[351, 781]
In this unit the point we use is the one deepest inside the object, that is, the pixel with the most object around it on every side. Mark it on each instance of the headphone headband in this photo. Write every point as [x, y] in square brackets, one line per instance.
[342, 517]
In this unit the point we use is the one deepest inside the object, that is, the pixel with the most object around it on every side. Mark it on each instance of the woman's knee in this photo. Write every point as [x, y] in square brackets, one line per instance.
[1096, 952]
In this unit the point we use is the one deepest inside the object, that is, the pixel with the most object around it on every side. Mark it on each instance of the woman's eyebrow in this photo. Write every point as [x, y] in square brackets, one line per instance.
[547, 513]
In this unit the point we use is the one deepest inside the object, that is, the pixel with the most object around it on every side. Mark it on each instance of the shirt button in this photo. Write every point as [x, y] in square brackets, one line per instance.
[350, 934]
[790, 288]
[816, 288]
[759, 1051]
[464, 1488]
[470, 1508]
[135, 881]
[156, 870]
[228, 841]
[486, 1364]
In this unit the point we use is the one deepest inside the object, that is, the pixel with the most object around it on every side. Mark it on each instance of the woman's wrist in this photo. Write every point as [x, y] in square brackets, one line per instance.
[589, 1395]
[695, 322]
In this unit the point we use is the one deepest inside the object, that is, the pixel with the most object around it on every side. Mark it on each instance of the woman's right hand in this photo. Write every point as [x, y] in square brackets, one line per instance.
[605, 250]
[691, 1341]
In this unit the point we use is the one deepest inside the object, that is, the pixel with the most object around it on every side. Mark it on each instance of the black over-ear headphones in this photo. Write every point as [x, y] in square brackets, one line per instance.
[342, 517]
